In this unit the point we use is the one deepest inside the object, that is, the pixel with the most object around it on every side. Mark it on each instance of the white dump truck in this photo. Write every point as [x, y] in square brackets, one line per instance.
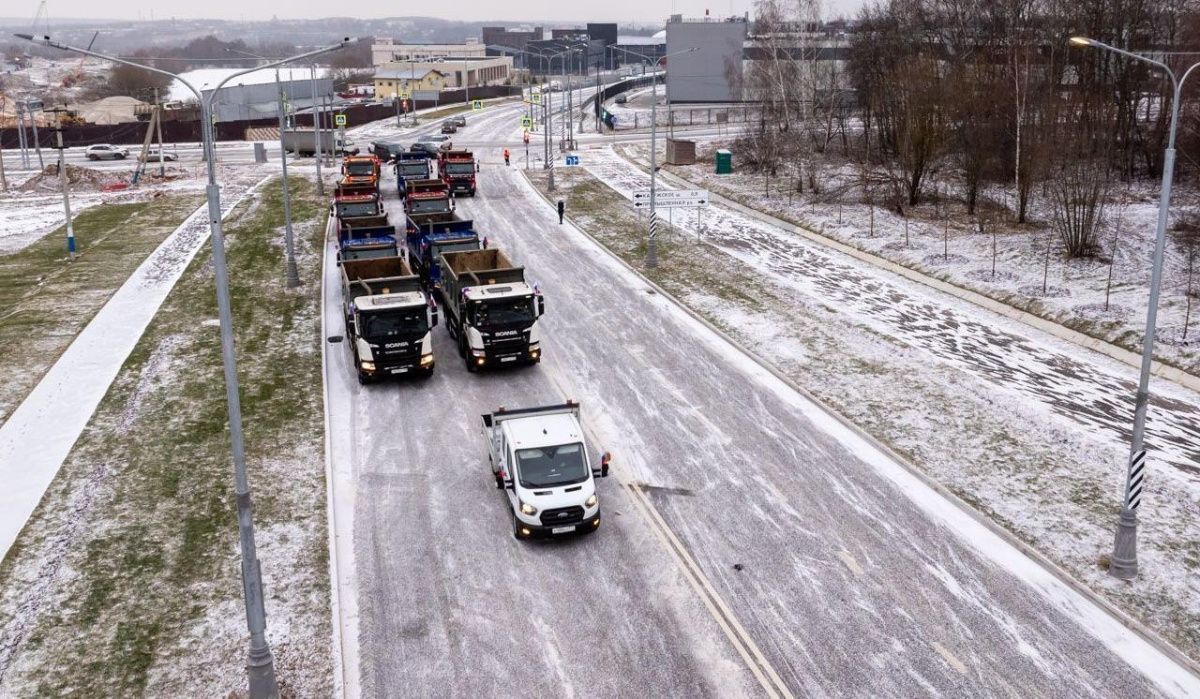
[389, 319]
[490, 309]
[539, 458]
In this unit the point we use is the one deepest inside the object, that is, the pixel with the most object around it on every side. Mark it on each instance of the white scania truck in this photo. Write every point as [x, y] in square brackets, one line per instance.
[490, 309]
[539, 458]
[389, 318]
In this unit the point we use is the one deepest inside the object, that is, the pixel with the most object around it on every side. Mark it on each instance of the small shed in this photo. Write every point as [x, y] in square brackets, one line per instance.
[680, 152]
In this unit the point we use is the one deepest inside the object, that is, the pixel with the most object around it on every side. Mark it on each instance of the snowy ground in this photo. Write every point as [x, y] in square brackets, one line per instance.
[1030, 429]
[1074, 289]
[126, 580]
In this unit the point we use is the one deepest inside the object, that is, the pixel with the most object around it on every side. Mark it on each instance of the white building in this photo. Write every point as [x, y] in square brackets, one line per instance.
[440, 74]
[385, 50]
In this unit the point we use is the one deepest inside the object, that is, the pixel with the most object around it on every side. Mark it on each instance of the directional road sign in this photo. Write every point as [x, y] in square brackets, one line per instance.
[671, 198]
[571, 160]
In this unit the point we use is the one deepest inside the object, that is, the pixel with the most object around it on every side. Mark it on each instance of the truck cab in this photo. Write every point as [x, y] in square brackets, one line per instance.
[457, 170]
[539, 458]
[427, 244]
[410, 166]
[389, 319]
[492, 312]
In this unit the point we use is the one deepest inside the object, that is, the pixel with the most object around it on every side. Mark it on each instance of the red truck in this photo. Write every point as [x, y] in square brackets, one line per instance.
[457, 170]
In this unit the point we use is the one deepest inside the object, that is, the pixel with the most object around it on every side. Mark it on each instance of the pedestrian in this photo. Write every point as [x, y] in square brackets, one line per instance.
[561, 209]
[506, 157]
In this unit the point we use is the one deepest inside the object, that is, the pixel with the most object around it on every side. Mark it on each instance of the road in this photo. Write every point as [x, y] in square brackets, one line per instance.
[752, 545]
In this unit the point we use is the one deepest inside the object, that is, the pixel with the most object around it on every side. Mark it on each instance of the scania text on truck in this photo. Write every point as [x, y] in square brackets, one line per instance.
[389, 319]
[539, 458]
[427, 243]
[457, 170]
[490, 310]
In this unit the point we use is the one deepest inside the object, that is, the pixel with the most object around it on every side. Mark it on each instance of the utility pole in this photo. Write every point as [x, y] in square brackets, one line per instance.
[158, 117]
[36, 145]
[549, 154]
[293, 274]
[312, 83]
[3, 176]
[652, 242]
[64, 183]
[24, 143]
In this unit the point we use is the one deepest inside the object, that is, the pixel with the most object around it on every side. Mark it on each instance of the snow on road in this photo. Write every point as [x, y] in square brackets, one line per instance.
[851, 575]
[40, 433]
[1074, 383]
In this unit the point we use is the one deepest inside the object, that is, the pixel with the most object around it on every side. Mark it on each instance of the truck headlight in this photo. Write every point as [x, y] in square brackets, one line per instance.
[527, 509]
[368, 366]
[426, 359]
[591, 501]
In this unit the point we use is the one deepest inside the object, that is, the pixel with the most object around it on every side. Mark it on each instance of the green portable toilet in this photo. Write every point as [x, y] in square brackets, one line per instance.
[724, 161]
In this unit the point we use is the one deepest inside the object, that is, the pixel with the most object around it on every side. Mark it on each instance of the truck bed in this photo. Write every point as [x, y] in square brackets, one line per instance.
[364, 221]
[377, 276]
[477, 261]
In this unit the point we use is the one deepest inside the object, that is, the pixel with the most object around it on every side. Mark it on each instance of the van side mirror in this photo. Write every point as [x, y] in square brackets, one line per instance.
[508, 484]
[603, 470]
[541, 305]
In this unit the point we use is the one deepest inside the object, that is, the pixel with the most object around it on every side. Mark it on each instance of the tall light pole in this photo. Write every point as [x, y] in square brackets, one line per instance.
[292, 273]
[651, 240]
[260, 665]
[1124, 557]
[64, 183]
[312, 83]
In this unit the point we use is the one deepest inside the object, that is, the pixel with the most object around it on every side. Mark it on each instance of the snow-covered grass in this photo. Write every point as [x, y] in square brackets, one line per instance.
[944, 242]
[1025, 463]
[46, 298]
[126, 581]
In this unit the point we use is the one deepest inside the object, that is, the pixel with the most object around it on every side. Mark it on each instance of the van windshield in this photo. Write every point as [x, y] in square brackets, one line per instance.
[547, 467]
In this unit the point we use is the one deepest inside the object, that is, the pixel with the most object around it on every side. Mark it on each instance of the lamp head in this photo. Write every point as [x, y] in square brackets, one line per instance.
[1080, 41]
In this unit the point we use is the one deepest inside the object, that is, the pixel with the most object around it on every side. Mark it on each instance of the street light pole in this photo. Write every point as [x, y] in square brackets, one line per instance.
[260, 665]
[652, 239]
[293, 274]
[64, 182]
[1123, 564]
[316, 114]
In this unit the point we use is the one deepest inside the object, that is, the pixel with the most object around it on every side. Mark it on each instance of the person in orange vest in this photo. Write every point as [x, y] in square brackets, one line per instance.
[505, 156]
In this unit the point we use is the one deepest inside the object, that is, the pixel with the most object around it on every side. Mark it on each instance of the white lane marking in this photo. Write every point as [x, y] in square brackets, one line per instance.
[949, 658]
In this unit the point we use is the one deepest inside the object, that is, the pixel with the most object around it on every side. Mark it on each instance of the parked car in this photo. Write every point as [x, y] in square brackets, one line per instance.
[152, 156]
[621, 99]
[105, 151]
[449, 127]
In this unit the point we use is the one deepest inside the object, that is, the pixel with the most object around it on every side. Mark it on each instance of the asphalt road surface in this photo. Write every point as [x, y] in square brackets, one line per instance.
[751, 546]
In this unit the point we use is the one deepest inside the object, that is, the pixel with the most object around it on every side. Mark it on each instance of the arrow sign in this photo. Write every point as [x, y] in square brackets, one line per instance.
[671, 194]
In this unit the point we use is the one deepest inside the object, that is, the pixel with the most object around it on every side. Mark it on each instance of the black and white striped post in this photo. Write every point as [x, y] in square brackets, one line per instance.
[652, 239]
[1124, 558]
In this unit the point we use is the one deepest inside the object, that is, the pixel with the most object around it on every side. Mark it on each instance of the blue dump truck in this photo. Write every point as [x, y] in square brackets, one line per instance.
[411, 165]
[389, 319]
[427, 242]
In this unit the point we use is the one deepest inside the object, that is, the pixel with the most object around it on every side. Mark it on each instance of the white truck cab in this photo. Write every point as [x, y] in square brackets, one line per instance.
[539, 458]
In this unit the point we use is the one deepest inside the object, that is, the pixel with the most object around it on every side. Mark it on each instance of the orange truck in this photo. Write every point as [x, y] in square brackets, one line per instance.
[360, 173]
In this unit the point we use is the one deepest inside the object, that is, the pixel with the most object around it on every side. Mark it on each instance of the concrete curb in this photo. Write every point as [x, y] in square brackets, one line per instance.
[1050, 327]
[1126, 620]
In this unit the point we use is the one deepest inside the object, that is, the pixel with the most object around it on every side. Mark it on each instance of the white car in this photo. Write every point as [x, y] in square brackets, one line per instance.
[152, 156]
[104, 151]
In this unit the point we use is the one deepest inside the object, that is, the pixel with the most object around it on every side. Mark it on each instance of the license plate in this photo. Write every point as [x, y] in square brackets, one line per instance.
[399, 370]
[508, 359]
[563, 530]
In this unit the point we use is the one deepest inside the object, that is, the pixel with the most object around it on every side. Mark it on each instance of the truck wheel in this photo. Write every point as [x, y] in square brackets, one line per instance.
[471, 367]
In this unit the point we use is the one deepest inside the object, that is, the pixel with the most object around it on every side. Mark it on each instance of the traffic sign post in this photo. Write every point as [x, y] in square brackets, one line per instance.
[671, 198]
[526, 122]
[571, 160]
[477, 105]
[339, 120]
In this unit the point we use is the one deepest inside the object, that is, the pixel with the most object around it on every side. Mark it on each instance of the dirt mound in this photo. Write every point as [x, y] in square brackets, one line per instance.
[78, 177]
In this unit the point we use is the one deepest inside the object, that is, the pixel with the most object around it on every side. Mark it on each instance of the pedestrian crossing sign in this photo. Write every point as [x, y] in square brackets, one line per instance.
[526, 122]
[339, 119]
[477, 105]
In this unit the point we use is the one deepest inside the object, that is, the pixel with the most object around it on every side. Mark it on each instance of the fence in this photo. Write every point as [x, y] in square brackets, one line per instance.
[133, 133]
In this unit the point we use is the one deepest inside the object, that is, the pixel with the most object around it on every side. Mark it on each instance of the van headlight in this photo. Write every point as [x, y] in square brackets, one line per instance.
[591, 501]
[527, 509]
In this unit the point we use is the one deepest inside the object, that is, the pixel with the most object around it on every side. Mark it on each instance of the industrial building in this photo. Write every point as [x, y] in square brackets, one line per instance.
[385, 50]
[261, 101]
[440, 74]
[515, 39]
[711, 73]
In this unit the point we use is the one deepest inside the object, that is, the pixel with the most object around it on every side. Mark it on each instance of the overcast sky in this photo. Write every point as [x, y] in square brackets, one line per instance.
[641, 11]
